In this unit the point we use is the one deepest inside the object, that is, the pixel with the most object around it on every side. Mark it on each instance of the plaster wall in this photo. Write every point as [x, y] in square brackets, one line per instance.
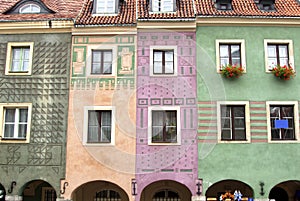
[259, 160]
[167, 162]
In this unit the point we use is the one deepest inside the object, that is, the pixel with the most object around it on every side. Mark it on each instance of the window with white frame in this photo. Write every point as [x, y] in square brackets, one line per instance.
[163, 60]
[105, 6]
[230, 52]
[16, 120]
[278, 52]
[101, 62]
[30, 8]
[283, 120]
[19, 58]
[163, 5]
[164, 125]
[99, 126]
[233, 121]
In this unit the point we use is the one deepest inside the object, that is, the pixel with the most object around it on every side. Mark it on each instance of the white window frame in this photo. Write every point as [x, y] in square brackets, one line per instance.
[89, 60]
[30, 5]
[241, 42]
[2, 121]
[9, 55]
[85, 125]
[279, 41]
[247, 121]
[152, 49]
[97, 12]
[155, 9]
[296, 121]
[164, 108]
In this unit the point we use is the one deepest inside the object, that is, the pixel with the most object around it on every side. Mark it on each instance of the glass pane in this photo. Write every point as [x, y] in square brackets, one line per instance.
[226, 135]
[169, 67]
[157, 67]
[239, 123]
[106, 118]
[272, 62]
[224, 51]
[240, 134]
[157, 56]
[17, 53]
[26, 53]
[287, 111]
[169, 56]
[15, 65]
[155, 6]
[235, 50]
[9, 130]
[107, 68]
[287, 134]
[22, 130]
[157, 133]
[106, 134]
[225, 111]
[95, 69]
[23, 115]
[271, 50]
[224, 61]
[239, 111]
[275, 134]
[236, 61]
[93, 134]
[107, 56]
[10, 115]
[283, 51]
[157, 118]
[25, 66]
[226, 123]
[96, 56]
[284, 61]
[274, 111]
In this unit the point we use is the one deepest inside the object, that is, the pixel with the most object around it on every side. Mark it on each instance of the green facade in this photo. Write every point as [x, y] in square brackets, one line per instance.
[47, 88]
[259, 160]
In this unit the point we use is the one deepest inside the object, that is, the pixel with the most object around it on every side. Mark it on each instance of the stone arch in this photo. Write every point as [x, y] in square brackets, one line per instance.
[169, 187]
[287, 191]
[38, 190]
[93, 189]
[219, 188]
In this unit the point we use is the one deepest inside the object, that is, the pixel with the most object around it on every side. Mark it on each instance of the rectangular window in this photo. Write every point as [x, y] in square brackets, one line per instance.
[104, 6]
[164, 126]
[233, 122]
[163, 62]
[101, 62]
[99, 126]
[163, 5]
[16, 120]
[230, 52]
[282, 122]
[19, 58]
[278, 52]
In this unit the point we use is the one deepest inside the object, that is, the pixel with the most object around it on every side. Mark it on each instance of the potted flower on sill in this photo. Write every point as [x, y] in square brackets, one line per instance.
[285, 72]
[231, 71]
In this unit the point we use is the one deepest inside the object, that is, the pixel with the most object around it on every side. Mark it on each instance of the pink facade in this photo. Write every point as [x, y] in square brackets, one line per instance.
[167, 161]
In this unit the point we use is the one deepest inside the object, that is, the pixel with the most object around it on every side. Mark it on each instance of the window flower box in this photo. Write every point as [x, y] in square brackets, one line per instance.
[231, 71]
[283, 72]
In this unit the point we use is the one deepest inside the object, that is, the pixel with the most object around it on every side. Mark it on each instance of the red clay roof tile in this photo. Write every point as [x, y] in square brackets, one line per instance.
[125, 17]
[283, 8]
[63, 9]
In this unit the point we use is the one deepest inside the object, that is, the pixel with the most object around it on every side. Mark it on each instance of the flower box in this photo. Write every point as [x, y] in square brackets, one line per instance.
[284, 72]
[231, 71]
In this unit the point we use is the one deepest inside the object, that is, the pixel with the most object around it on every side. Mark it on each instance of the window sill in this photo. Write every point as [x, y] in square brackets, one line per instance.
[18, 73]
[283, 141]
[13, 140]
[233, 141]
[164, 144]
[100, 144]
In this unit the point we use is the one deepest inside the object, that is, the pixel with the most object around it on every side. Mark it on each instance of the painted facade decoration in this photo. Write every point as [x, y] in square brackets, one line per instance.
[38, 161]
[106, 166]
[170, 163]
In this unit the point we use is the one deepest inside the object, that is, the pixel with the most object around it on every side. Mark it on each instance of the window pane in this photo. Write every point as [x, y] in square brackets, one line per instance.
[240, 134]
[107, 56]
[17, 53]
[239, 123]
[169, 67]
[283, 50]
[9, 130]
[157, 56]
[239, 111]
[95, 69]
[224, 51]
[157, 67]
[96, 56]
[272, 50]
[284, 61]
[25, 66]
[26, 53]
[169, 56]
[226, 135]
[23, 115]
[236, 61]
[225, 111]
[22, 130]
[235, 50]
[225, 123]
[107, 68]
[93, 126]
[272, 62]
[10, 115]
[157, 118]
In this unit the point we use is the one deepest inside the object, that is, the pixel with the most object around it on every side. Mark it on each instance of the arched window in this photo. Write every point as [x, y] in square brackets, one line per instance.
[165, 195]
[30, 8]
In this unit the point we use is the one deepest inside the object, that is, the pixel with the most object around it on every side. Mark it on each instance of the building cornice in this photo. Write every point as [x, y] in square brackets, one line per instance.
[174, 25]
[247, 21]
[104, 30]
[59, 26]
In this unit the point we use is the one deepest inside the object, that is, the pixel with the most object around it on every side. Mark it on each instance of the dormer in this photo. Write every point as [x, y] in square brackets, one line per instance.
[106, 6]
[162, 6]
[223, 4]
[265, 5]
[29, 7]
